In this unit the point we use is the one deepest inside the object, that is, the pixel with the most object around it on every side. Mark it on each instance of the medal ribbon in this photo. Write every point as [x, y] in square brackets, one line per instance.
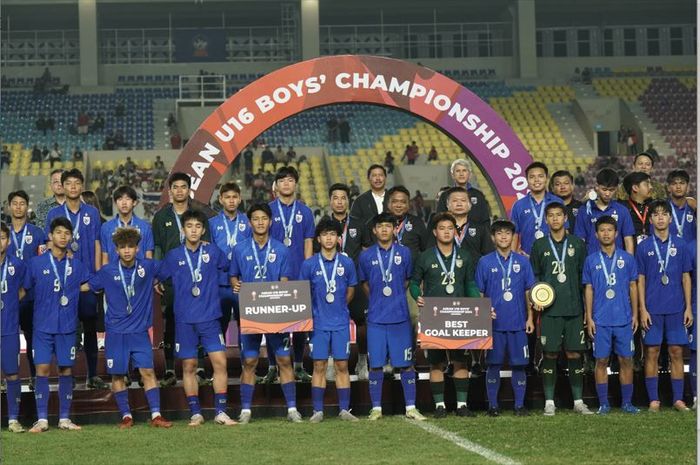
[662, 263]
[538, 215]
[194, 272]
[76, 226]
[679, 226]
[451, 274]
[263, 268]
[459, 237]
[62, 284]
[287, 225]
[329, 288]
[642, 218]
[20, 250]
[231, 240]
[128, 290]
[386, 273]
[556, 254]
[506, 274]
[605, 270]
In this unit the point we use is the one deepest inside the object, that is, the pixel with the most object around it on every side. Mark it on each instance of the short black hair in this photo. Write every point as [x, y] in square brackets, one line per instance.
[607, 177]
[606, 219]
[326, 225]
[228, 187]
[452, 190]
[374, 167]
[534, 165]
[19, 193]
[287, 171]
[259, 206]
[554, 206]
[384, 217]
[396, 189]
[502, 224]
[659, 204]
[5, 229]
[560, 174]
[195, 215]
[179, 176]
[129, 191]
[74, 173]
[678, 174]
[634, 179]
[60, 221]
[339, 187]
[56, 171]
[643, 154]
[443, 216]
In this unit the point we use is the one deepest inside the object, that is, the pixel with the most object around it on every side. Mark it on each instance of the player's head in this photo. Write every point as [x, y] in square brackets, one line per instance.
[502, 232]
[327, 233]
[562, 184]
[194, 225]
[19, 204]
[536, 174]
[397, 201]
[4, 237]
[383, 227]
[555, 216]
[444, 227]
[286, 181]
[126, 241]
[56, 185]
[637, 183]
[125, 198]
[376, 175]
[260, 217]
[660, 212]
[60, 232]
[72, 182]
[179, 184]
[678, 183]
[606, 230]
[339, 198]
[461, 171]
[643, 162]
[230, 197]
[606, 182]
[457, 199]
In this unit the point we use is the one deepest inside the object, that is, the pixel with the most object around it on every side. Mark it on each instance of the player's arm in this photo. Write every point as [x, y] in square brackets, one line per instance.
[588, 303]
[235, 284]
[98, 255]
[635, 305]
[365, 288]
[105, 258]
[21, 293]
[516, 242]
[308, 248]
[530, 323]
[629, 244]
[148, 254]
[688, 314]
[349, 294]
[640, 286]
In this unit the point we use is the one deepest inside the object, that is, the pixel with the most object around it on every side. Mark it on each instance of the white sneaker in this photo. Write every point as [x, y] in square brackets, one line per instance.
[330, 371]
[244, 418]
[375, 414]
[294, 416]
[414, 414]
[388, 370]
[196, 420]
[317, 417]
[67, 425]
[362, 370]
[550, 409]
[695, 403]
[582, 409]
[40, 426]
[345, 415]
[13, 426]
[223, 419]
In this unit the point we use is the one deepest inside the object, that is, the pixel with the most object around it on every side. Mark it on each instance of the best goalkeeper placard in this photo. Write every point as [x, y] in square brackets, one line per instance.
[275, 307]
[455, 323]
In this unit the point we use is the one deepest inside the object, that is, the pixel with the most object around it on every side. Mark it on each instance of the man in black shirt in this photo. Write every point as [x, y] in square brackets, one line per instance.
[475, 238]
[562, 185]
[371, 203]
[638, 188]
[461, 171]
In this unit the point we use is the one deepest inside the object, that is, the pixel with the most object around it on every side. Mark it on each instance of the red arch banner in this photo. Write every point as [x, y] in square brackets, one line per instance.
[356, 79]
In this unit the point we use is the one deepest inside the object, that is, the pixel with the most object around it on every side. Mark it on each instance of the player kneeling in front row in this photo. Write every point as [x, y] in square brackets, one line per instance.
[610, 277]
[506, 278]
[445, 271]
[384, 270]
[194, 269]
[333, 279]
[128, 287]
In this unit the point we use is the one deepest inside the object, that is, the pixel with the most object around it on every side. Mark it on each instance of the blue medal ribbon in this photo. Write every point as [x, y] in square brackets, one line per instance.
[681, 225]
[605, 270]
[386, 273]
[505, 282]
[129, 290]
[287, 225]
[262, 268]
[19, 249]
[451, 274]
[663, 264]
[330, 285]
[194, 272]
[556, 254]
[62, 284]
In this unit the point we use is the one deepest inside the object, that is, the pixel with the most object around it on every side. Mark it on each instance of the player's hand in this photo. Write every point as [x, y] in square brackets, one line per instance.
[635, 325]
[529, 326]
[493, 313]
[420, 301]
[158, 287]
[645, 320]
[537, 307]
[237, 287]
[692, 203]
[590, 325]
[688, 318]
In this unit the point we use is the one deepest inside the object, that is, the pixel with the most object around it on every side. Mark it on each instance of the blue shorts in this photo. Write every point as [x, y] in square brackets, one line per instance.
[669, 328]
[229, 303]
[188, 336]
[394, 339]
[512, 342]
[120, 348]
[9, 353]
[606, 338]
[45, 346]
[277, 343]
[337, 341]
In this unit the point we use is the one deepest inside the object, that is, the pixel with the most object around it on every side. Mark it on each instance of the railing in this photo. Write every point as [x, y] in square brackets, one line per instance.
[202, 89]
[47, 48]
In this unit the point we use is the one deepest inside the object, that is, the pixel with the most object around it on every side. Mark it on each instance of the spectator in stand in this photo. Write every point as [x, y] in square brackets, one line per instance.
[579, 180]
[332, 130]
[388, 163]
[631, 142]
[4, 157]
[129, 166]
[344, 130]
[158, 164]
[77, 154]
[267, 156]
[653, 153]
[248, 160]
[44, 124]
[171, 122]
[291, 154]
[119, 140]
[432, 155]
[36, 154]
[83, 123]
[410, 154]
[621, 141]
[119, 109]
[45, 154]
[280, 157]
[418, 205]
[175, 140]
[109, 142]
[354, 191]
[55, 155]
[98, 124]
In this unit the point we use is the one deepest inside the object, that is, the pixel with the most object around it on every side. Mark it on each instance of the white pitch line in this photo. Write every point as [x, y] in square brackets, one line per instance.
[465, 444]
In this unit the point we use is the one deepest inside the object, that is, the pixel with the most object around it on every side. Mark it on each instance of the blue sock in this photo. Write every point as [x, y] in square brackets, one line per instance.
[602, 390]
[14, 395]
[344, 398]
[317, 398]
[376, 379]
[290, 393]
[122, 398]
[519, 382]
[65, 396]
[153, 398]
[193, 402]
[220, 402]
[408, 383]
[493, 384]
[652, 383]
[677, 389]
[694, 372]
[299, 342]
[247, 396]
[41, 394]
[626, 390]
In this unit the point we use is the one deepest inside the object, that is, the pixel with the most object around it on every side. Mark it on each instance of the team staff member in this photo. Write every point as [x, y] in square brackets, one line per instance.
[126, 199]
[638, 188]
[369, 204]
[561, 184]
[58, 197]
[461, 172]
[445, 271]
[471, 236]
[684, 216]
[645, 163]
[557, 259]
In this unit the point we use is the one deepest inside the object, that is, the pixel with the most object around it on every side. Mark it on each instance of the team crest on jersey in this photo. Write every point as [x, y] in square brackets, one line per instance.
[298, 217]
[86, 220]
[571, 251]
[516, 267]
[205, 257]
[620, 263]
[474, 200]
[615, 216]
[140, 271]
[272, 257]
[459, 262]
[341, 270]
[241, 226]
[471, 231]
[689, 217]
[352, 232]
[574, 211]
[409, 226]
[11, 270]
[672, 252]
[110, 363]
[28, 239]
[397, 259]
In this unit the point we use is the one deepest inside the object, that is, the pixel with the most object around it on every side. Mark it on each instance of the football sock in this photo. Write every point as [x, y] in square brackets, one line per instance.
[290, 394]
[626, 391]
[298, 366]
[408, 382]
[376, 379]
[493, 383]
[549, 377]
[652, 383]
[575, 378]
[193, 402]
[602, 390]
[14, 394]
[344, 398]
[362, 358]
[153, 398]
[519, 381]
[317, 398]
[299, 343]
[247, 396]
[220, 402]
[65, 396]
[438, 391]
[677, 389]
[271, 360]
[41, 394]
[122, 398]
[461, 390]
[693, 373]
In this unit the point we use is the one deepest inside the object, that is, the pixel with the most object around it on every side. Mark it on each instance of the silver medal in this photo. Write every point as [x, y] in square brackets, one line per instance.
[539, 234]
[230, 255]
[561, 277]
[18, 254]
[664, 280]
[449, 288]
[74, 246]
[386, 291]
[2, 304]
[287, 241]
[507, 296]
[196, 291]
[610, 294]
[330, 298]
[64, 300]
[129, 309]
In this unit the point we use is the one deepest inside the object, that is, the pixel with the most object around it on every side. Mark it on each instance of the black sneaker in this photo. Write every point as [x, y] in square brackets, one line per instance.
[96, 383]
[32, 381]
[440, 412]
[476, 371]
[169, 379]
[521, 412]
[463, 411]
[493, 412]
